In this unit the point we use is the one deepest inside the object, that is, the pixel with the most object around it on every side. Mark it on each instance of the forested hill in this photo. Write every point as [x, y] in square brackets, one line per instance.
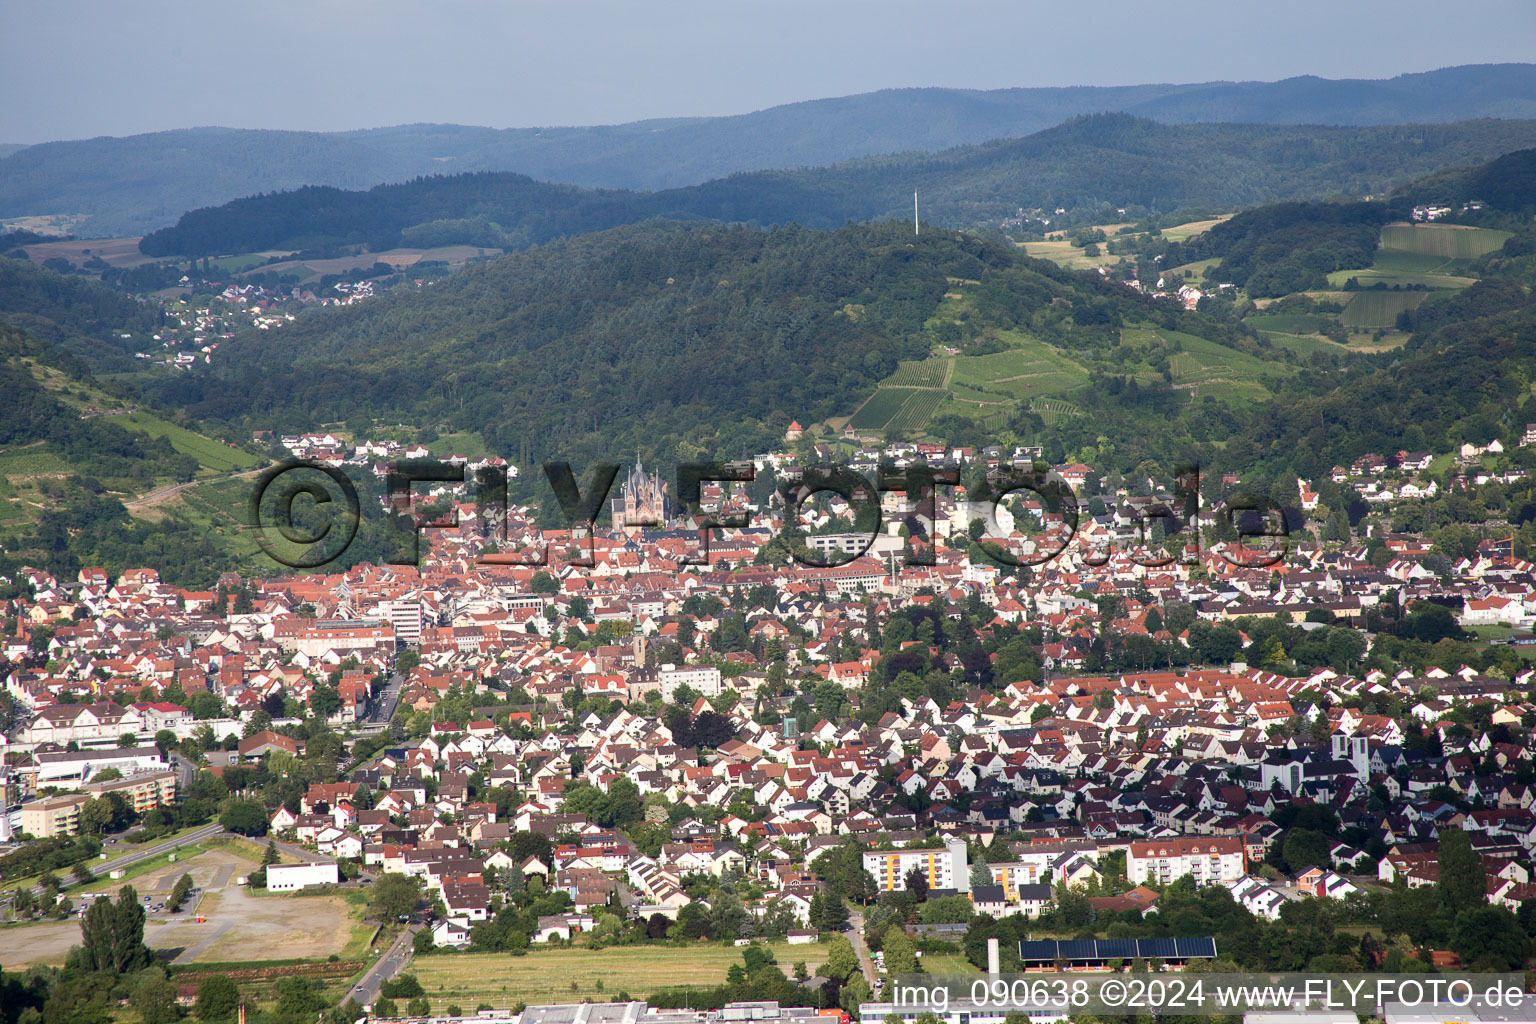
[671, 340]
[1508, 183]
[75, 315]
[133, 184]
[1112, 158]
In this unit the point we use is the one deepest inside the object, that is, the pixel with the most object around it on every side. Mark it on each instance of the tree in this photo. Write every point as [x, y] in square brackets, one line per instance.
[217, 997]
[154, 997]
[205, 705]
[1304, 848]
[179, 893]
[981, 873]
[900, 951]
[324, 701]
[247, 817]
[403, 987]
[112, 935]
[916, 883]
[833, 915]
[544, 583]
[394, 895]
[1462, 883]
[1489, 938]
[842, 962]
[95, 815]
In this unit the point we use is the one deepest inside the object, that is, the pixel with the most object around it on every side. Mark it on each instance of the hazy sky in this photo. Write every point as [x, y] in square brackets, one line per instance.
[79, 68]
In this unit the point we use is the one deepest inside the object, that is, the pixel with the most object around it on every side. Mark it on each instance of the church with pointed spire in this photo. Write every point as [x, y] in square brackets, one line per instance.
[642, 501]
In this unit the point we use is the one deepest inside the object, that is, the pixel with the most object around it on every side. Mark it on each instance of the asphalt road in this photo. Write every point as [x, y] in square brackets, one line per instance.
[856, 936]
[387, 966]
[381, 708]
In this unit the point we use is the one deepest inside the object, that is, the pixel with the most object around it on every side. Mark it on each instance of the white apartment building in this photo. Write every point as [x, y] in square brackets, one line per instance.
[946, 867]
[703, 678]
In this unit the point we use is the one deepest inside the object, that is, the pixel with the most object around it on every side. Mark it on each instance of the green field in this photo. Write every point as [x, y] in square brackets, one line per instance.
[1448, 241]
[1033, 374]
[948, 963]
[1205, 368]
[917, 410]
[877, 411]
[34, 460]
[1030, 369]
[1401, 261]
[1433, 256]
[570, 975]
[1306, 344]
[1369, 277]
[898, 410]
[469, 445]
[1379, 309]
[210, 454]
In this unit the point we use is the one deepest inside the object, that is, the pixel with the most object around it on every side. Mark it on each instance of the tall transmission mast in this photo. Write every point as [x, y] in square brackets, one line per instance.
[914, 214]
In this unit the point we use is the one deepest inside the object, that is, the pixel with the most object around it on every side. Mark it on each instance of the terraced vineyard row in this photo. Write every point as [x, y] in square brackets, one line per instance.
[930, 373]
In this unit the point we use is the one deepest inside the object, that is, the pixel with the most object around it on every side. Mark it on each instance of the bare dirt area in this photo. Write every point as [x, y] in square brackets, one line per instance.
[235, 923]
[249, 927]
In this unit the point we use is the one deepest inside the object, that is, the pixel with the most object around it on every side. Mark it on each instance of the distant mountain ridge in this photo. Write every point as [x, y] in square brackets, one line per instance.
[1104, 158]
[133, 184]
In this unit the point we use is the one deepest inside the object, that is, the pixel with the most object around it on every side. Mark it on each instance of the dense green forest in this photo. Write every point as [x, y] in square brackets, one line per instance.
[1116, 159]
[75, 314]
[142, 182]
[656, 337]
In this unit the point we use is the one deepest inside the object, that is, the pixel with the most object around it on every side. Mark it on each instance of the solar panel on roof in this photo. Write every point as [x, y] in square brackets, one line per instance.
[1156, 947]
[1195, 947]
[1078, 949]
[1117, 949]
[1037, 949]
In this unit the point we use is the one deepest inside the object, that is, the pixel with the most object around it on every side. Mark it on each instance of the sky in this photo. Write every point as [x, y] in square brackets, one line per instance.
[82, 68]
